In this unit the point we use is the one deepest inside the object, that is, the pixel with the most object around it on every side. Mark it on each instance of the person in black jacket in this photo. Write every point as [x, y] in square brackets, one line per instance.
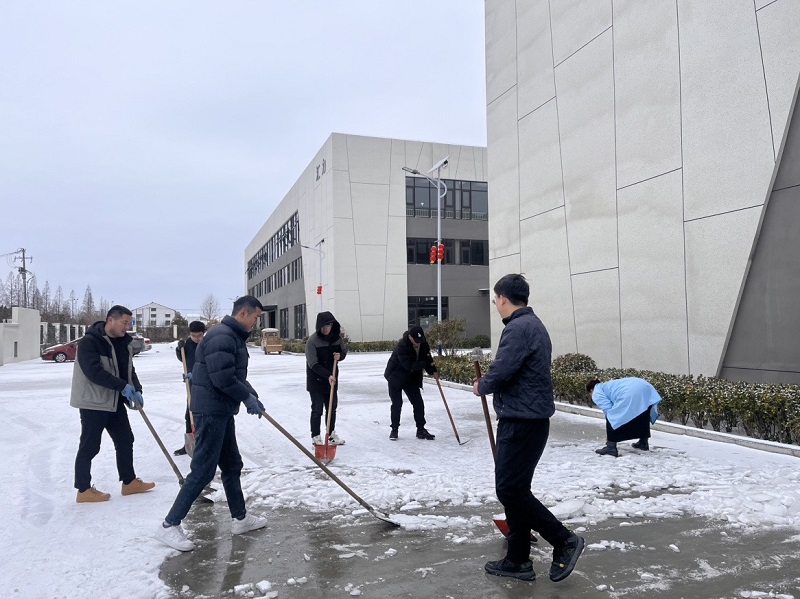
[189, 346]
[219, 386]
[322, 347]
[104, 382]
[404, 373]
[520, 379]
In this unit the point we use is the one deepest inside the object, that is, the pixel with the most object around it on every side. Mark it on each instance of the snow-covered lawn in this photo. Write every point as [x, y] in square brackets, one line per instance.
[54, 547]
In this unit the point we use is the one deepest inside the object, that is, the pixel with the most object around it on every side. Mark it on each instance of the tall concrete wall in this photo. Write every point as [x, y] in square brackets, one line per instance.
[632, 146]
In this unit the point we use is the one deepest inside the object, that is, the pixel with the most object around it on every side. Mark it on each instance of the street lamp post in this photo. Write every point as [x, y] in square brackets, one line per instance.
[441, 192]
[321, 256]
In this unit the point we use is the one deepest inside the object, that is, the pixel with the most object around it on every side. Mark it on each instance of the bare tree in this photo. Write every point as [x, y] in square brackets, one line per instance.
[209, 309]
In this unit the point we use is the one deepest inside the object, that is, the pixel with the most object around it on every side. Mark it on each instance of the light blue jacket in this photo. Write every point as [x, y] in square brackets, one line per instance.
[622, 400]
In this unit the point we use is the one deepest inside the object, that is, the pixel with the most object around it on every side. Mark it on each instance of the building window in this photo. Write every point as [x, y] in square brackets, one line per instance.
[284, 323]
[286, 237]
[167, 322]
[422, 310]
[471, 252]
[464, 200]
[300, 321]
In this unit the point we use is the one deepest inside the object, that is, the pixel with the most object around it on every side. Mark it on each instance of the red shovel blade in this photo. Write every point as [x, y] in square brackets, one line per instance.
[502, 526]
[325, 452]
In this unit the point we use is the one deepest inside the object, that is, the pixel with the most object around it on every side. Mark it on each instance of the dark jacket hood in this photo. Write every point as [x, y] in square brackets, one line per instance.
[237, 327]
[322, 319]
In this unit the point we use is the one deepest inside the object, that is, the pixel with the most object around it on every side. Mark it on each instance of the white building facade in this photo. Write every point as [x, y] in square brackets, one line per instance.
[644, 178]
[347, 227]
[153, 315]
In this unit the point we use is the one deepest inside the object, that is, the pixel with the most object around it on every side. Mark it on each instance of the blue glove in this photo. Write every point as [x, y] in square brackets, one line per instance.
[253, 405]
[139, 399]
[127, 393]
[187, 377]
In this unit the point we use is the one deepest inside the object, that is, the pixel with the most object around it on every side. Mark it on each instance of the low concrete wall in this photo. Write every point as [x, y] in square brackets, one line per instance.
[19, 338]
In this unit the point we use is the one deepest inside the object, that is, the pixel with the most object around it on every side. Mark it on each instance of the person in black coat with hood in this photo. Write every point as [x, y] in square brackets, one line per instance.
[322, 347]
[404, 373]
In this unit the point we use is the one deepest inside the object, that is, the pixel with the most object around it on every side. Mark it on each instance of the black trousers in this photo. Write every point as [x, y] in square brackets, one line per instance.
[319, 402]
[414, 396]
[638, 428]
[520, 444]
[93, 423]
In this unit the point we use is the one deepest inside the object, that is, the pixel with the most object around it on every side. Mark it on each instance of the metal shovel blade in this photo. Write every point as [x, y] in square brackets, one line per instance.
[188, 443]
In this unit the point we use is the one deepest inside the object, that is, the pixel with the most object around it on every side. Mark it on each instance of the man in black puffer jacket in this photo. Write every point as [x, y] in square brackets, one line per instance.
[322, 347]
[219, 386]
[404, 373]
[520, 379]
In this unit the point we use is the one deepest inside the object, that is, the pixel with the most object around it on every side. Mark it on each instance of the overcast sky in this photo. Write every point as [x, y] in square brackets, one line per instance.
[143, 144]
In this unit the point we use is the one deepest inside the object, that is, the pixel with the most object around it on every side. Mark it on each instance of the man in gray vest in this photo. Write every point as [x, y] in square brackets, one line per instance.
[104, 382]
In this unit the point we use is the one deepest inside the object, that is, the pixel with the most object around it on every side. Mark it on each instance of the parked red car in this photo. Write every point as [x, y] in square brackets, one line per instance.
[62, 352]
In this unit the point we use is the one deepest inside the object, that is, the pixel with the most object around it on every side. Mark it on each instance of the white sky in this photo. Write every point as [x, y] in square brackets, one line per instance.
[64, 549]
[143, 144]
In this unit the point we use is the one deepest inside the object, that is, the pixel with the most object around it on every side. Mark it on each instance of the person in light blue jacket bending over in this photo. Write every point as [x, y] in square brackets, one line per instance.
[629, 405]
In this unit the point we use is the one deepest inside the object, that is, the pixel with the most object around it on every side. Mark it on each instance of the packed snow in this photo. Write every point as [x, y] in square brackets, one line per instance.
[59, 548]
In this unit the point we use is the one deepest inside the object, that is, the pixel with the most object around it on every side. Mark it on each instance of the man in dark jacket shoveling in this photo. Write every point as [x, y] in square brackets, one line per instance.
[188, 348]
[404, 373]
[322, 347]
[520, 379]
[219, 386]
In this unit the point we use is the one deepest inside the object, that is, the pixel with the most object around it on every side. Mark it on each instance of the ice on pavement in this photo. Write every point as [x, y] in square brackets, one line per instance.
[64, 549]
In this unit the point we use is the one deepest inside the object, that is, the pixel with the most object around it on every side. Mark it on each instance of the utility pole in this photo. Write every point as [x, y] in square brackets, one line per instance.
[24, 272]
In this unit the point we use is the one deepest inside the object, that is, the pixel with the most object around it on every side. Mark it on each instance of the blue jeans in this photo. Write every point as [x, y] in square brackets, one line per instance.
[520, 444]
[214, 445]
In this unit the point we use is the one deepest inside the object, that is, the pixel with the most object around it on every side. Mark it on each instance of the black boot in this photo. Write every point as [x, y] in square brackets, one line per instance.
[393, 435]
[609, 449]
[642, 444]
[424, 434]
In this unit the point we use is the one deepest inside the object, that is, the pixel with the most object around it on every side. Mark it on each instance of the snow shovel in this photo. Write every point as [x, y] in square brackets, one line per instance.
[140, 409]
[501, 523]
[379, 515]
[327, 451]
[188, 438]
[446, 407]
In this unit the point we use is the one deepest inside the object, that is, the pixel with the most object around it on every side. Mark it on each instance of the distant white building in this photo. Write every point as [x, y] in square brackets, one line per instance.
[153, 315]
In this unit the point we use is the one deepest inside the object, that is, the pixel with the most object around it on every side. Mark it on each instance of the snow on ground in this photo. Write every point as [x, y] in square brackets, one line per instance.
[59, 548]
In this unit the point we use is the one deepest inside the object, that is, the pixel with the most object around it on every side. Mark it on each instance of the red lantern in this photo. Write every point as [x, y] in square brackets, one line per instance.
[319, 289]
[433, 254]
[440, 253]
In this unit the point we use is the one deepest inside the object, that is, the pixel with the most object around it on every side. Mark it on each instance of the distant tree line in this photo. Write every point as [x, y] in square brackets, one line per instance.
[54, 306]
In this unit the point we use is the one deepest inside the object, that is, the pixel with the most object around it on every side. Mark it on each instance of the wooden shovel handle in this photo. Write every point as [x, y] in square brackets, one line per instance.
[486, 417]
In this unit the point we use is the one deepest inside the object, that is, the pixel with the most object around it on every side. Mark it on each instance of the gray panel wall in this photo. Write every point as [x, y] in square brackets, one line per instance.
[763, 345]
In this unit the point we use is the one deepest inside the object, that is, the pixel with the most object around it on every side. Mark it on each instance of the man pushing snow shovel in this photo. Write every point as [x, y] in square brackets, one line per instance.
[219, 385]
[520, 379]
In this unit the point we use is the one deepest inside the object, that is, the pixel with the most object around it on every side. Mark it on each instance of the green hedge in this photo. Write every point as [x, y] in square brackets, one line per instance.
[762, 411]
[352, 346]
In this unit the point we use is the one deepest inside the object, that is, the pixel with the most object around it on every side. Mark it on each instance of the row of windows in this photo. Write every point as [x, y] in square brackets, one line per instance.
[288, 274]
[474, 252]
[465, 200]
[286, 237]
[422, 310]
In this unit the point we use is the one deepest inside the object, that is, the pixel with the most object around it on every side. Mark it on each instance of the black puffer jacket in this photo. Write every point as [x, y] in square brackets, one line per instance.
[405, 366]
[519, 377]
[219, 376]
[319, 353]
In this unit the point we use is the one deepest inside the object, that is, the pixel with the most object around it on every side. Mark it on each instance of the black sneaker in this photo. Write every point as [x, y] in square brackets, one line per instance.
[424, 434]
[505, 567]
[393, 435]
[181, 451]
[642, 444]
[565, 558]
[606, 450]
